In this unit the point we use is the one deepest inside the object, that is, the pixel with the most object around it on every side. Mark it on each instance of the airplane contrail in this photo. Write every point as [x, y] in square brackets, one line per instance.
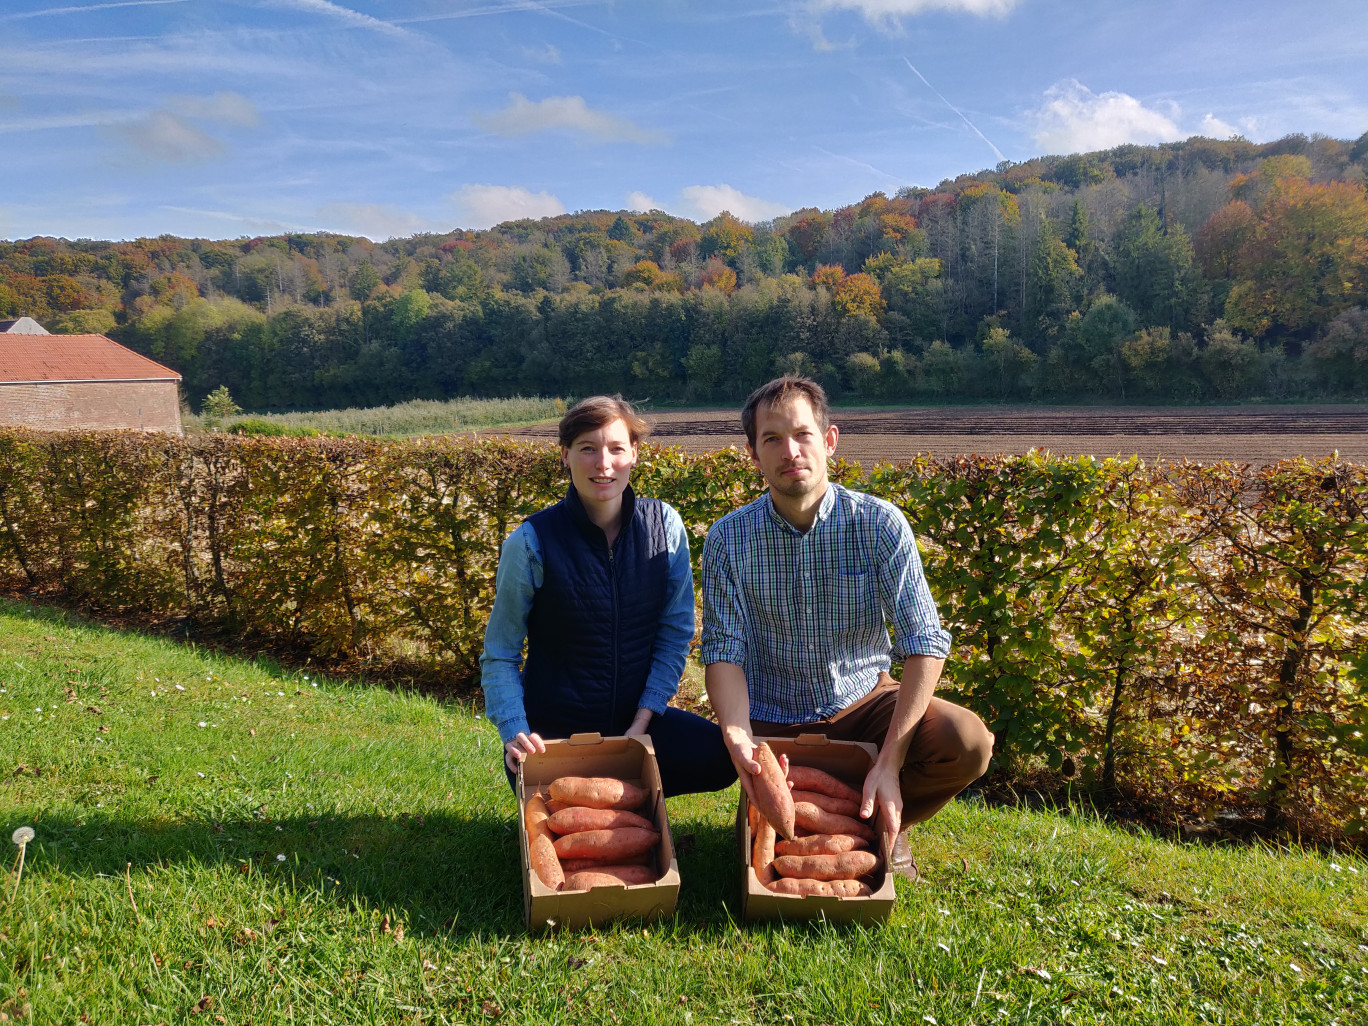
[1000, 154]
[87, 7]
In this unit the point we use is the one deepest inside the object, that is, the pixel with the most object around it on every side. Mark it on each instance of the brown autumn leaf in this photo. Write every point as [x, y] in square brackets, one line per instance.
[490, 1009]
[385, 924]
[251, 731]
[94, 709]
[399, 932]
[202, 1005]
[211, 922]
[245, 936]
[104, 728]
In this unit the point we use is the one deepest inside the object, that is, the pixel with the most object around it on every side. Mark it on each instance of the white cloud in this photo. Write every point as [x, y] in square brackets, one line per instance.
[642, 203]
[164, 136]
[226, 108]
[171, 133]
[1073, 119]
[523, 117]
[375, 221]
[483, 206]
[888, 12]
[707, 201]
[343, 14]
[548, 54]
[1214, 128]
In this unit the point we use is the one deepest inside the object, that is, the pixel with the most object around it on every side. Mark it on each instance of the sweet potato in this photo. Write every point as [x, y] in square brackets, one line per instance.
[809, 778]
[752, 818]
[554, 807]
[772, 796]
[541, 855]
[850, 889]
[809, 816]
[578, 819]
[598, 792]
[578, 865]
[788, 885]
[609, 876]
[840, 806]
[762, 852]
[609, 845]
[846, 866]
[821, 844]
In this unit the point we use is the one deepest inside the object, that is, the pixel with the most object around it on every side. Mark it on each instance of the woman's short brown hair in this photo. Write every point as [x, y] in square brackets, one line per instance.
[599, 411]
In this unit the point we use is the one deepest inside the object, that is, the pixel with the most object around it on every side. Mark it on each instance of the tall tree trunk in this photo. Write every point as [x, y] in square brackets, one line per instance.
[1284, 749]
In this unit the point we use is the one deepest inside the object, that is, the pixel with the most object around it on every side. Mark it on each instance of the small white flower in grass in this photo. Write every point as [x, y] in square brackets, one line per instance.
[1042, 973]
[929, 1018]
[942, 946]
[198, 774]
[180, 687]
[1336, 867]
[280, 694]
[280, 858]
[943, 911]
[1158, 959]
[39, 709]
[1294, 967]
[203, 724]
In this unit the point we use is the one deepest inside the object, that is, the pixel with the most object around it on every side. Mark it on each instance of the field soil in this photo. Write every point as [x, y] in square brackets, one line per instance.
[1252, 434]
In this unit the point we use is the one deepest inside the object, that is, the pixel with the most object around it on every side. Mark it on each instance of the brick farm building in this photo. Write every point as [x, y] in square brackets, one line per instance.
[82, 383]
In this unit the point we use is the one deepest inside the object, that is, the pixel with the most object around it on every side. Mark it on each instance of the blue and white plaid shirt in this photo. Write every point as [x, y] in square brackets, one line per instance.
[806, 615]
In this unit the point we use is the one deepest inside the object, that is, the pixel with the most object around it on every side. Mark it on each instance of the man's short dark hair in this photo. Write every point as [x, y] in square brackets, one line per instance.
[780, 391]
[598, 411]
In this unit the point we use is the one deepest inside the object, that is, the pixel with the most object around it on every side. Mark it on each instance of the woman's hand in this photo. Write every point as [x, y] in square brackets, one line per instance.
[520, 748]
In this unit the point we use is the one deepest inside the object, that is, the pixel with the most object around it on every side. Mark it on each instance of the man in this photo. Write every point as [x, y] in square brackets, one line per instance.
[798, 588]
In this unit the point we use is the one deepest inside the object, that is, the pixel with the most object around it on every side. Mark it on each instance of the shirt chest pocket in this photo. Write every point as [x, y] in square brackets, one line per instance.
[851, 601]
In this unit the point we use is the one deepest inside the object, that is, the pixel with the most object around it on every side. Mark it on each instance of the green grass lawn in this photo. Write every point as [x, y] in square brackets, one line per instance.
[218, 837]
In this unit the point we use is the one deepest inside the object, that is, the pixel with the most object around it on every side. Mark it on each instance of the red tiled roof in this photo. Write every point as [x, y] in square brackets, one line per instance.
[33, 358]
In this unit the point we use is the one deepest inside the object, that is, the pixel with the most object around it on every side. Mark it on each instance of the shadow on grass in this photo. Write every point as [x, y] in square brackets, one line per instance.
[448, 875]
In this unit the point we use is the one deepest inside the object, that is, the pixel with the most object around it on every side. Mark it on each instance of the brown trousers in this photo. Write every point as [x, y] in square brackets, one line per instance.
[950, 747]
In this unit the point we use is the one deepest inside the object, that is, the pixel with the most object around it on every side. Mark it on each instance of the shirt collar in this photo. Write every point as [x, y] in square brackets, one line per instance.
[824, 509]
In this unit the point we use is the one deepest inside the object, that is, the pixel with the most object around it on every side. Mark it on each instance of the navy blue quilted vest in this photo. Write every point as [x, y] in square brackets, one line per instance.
[593, 622]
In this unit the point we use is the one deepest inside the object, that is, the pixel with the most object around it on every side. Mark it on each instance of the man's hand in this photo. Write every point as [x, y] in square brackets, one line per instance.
[741, 747]
[520, 748]
[883, 791]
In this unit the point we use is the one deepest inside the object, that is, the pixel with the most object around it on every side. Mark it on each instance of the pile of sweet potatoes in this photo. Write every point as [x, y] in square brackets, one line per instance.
[584, 834]
[806, 834]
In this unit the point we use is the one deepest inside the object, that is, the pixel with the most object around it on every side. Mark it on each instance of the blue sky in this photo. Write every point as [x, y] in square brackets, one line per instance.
[228, 118]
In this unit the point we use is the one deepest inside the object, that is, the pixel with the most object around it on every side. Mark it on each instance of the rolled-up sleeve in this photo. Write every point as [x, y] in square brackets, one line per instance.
[676, 623]
[724, 617]
[904, 593]
[515, 584]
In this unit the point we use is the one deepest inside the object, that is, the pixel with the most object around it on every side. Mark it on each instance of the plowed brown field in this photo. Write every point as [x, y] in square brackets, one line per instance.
[1256, 435]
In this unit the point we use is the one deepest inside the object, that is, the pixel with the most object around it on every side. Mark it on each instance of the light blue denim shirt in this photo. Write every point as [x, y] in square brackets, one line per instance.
[519, 576]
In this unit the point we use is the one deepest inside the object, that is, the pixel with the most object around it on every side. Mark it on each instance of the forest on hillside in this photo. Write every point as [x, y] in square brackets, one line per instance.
[1197, 270]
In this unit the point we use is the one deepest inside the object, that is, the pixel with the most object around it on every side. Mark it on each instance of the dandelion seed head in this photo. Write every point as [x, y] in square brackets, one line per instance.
[22, 836]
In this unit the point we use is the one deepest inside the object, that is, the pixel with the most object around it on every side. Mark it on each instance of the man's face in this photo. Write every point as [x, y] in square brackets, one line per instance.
[791, 449]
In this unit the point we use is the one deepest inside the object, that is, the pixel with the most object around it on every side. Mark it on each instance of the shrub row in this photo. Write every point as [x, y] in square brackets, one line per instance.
[1195, 633]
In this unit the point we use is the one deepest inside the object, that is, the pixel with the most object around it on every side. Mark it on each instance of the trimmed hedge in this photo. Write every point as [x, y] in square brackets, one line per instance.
[1197, 633]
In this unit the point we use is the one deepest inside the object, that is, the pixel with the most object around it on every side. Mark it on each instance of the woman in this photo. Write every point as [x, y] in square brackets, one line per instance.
[599, 586]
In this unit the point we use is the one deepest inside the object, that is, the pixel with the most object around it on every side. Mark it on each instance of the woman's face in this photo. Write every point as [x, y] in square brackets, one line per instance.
[601, 462]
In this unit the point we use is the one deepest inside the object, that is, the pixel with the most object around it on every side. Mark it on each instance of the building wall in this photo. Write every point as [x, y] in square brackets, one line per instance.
[93, 405]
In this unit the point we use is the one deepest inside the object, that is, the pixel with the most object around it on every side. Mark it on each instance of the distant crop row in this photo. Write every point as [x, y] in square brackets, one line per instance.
[1195, 634]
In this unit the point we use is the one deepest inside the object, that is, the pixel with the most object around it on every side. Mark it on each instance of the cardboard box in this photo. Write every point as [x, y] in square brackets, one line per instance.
[848, 761]
[590, 755]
